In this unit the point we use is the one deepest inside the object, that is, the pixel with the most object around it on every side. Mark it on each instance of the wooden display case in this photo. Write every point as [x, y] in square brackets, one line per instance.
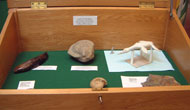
[120, 24]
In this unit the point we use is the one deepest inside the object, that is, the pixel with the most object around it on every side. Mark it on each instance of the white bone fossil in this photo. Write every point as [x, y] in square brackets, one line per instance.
[141, 45]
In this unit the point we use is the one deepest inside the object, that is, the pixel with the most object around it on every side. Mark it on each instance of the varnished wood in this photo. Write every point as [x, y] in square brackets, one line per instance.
[9, 46]
[174, 4]
[17, 29]
[52, 29]
[90, 91]
[55, 3]
[178, 46]
[147, 98]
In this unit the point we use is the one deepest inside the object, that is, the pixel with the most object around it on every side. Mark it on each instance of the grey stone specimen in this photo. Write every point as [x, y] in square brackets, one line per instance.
[157, 80]
[98, 83]
[82, 50]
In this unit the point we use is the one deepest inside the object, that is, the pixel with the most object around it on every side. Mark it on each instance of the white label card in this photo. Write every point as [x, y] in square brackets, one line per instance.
[26, 85]
[129, 81]
[85, 20]
[84, 68]
[49, 67]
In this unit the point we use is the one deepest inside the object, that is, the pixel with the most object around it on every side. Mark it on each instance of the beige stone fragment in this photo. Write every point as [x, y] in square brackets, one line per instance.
[82, 50]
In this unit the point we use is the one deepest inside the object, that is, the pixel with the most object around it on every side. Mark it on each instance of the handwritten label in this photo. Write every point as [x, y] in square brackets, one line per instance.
[130, 81]
[26, 85]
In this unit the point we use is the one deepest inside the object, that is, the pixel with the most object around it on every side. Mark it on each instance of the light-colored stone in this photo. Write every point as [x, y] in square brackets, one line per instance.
[98, 83]
[82, 50]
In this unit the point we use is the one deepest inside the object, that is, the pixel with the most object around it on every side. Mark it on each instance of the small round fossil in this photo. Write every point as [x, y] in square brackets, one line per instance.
[98, 83]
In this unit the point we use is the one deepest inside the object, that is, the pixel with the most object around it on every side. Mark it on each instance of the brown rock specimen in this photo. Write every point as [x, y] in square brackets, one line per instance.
[98, 83]
[32, 63]
[157, 80]
[82, 50]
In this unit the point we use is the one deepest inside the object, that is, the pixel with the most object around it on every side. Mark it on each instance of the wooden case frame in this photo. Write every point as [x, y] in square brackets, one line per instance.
[24, 27]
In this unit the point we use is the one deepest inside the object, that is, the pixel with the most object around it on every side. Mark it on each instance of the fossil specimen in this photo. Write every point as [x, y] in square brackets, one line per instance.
[98, 83]
[32, 63]
[82, 50]
[157, 80]
[140, 60]
[142, 45]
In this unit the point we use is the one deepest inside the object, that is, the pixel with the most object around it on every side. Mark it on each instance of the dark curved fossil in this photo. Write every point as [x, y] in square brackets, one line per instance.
[32, 63]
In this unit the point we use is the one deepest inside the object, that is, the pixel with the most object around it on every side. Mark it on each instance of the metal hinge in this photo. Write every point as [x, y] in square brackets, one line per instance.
[143, 4]
[38, 5]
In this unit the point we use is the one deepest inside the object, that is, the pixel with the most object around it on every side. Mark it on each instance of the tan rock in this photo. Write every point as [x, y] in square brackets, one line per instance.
[82, 50]
[98, 83]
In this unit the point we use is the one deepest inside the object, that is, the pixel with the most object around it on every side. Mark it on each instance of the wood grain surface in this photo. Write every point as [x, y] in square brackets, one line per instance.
[9, 46]
[55, 3]
[147, 98]
[178, 46]
[52, 29]
[90, 91]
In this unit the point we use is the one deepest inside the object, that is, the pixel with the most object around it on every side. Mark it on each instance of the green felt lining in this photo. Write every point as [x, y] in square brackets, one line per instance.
[64, 78]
